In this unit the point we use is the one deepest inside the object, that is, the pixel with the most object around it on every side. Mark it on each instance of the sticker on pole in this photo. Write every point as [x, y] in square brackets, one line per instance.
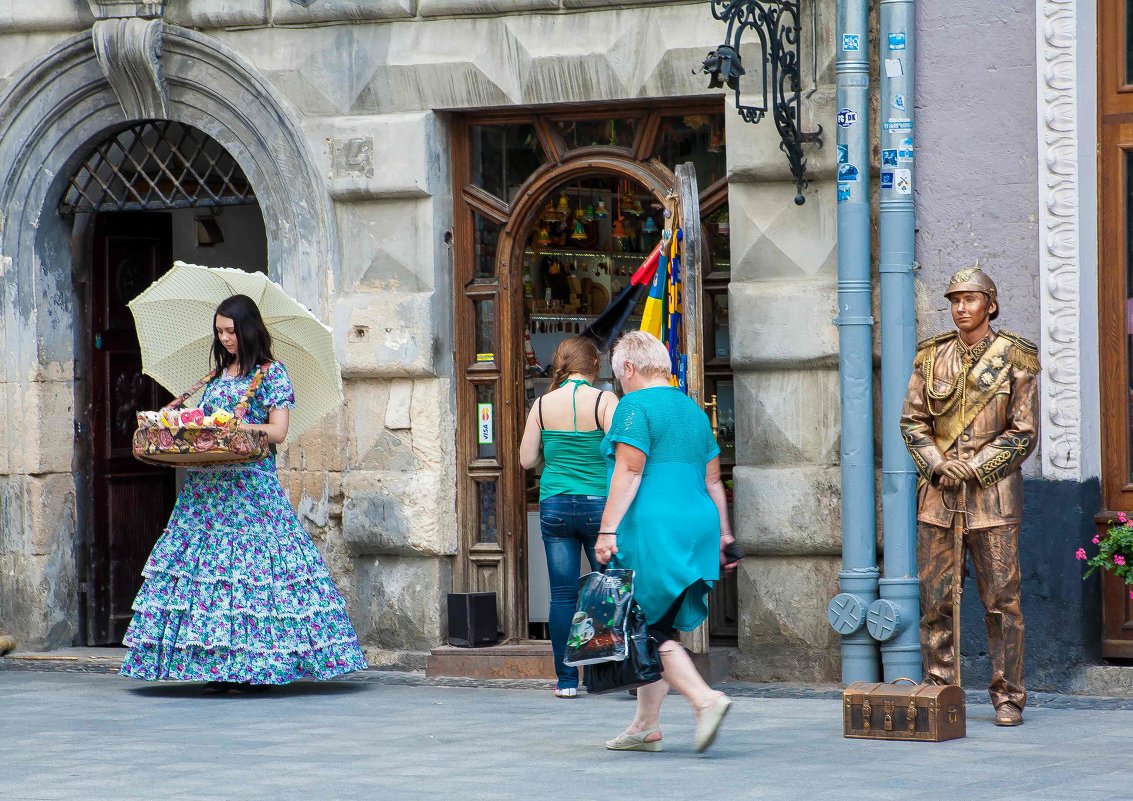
[897, 40]
[905, 149]
[889, 157]
[898, 124]
[899, 102]
[894, 68]
[484, 427]
[903, 182]
[847, 117]
[887, 179]
[847, 172]
[843, 192]
[851, 42]
[843, 154]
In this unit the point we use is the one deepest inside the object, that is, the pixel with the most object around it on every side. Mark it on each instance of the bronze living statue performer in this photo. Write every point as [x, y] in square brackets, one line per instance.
[969, 421]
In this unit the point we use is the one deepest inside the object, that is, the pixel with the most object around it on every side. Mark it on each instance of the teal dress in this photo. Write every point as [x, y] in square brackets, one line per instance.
[670, 536]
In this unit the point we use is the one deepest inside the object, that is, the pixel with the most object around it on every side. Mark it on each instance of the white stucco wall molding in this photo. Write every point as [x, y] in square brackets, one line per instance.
[1060, 246]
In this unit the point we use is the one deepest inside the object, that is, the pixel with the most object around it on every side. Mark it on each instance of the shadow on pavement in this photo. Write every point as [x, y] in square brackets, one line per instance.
[298, 689]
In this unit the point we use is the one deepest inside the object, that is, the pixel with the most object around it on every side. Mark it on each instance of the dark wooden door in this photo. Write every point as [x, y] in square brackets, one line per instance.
[131, 500]
[1115, 299]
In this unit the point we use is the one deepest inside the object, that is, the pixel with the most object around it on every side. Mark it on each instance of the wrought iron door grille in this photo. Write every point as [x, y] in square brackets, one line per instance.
[156, 165]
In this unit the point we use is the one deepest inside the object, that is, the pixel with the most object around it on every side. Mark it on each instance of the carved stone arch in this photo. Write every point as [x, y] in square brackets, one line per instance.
[63, 104]
[53, 115]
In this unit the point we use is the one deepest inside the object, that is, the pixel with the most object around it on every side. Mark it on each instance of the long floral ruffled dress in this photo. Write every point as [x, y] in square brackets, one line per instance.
[235, 589]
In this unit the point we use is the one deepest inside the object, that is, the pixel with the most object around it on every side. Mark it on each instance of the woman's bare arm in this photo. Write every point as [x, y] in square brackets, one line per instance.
[531, 446]
[716, 492]
[276, 426]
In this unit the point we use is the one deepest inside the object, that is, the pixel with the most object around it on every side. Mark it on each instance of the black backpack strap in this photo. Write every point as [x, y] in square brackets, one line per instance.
[597, 404]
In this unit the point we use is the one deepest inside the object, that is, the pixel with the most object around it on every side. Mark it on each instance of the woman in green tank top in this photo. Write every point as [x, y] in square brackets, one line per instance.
[563, 434]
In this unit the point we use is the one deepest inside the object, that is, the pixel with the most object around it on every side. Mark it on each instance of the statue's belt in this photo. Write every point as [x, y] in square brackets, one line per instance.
[980, 385]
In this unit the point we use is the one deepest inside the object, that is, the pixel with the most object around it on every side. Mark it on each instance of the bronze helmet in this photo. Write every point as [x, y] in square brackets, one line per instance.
[973, 279]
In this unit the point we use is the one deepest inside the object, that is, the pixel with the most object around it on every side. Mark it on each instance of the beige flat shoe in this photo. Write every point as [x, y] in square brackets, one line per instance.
[635, 742]
[566, 692]
[711, 716]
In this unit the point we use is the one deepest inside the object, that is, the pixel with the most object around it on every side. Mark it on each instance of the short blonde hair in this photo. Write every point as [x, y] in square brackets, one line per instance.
[644, 351]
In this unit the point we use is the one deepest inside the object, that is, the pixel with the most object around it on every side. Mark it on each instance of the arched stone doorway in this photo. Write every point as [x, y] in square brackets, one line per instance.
[145, 196]
[54, 114]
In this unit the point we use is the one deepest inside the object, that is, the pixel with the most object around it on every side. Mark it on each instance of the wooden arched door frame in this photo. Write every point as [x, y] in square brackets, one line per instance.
[503, 563]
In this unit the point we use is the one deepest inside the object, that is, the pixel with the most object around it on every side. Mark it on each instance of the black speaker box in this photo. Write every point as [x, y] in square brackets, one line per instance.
[472, 619]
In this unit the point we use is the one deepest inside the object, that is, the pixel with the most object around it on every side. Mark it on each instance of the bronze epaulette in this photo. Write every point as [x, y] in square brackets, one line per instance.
[1023, 354]
[924, 345]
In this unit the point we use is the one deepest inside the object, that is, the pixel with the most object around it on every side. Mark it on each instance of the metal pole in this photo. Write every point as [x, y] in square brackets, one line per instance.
[894, 619]
[858, 577]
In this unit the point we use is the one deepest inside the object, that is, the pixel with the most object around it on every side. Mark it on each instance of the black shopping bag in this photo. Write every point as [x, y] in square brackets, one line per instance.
[641, 666]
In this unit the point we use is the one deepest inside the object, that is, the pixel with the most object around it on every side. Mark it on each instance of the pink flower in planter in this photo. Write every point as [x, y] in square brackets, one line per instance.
[1131, 593]
[1094, 540]
[1122, 518]
[1119, 559]
[1080, 554]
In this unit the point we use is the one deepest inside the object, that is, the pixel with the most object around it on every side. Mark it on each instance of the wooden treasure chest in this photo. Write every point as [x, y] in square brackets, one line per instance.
[900, 711]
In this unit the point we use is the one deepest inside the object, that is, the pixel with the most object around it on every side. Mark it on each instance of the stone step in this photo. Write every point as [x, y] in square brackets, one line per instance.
[530, 660]
[1111, 681]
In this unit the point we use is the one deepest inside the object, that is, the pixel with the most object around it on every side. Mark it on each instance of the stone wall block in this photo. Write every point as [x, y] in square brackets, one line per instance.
[461, 8]
[50, 512]
[396, 605]
[395, 514]
[36, 435]
[13, 520]
[788, 511]
[319, 447]
[385, 335]
[372, 444]
[775, 429]
[783, 633]
[772, 239]
[781, 325]
[44, 15]
[388, 245]
[387, 155]
[298, 12]
[217, 13]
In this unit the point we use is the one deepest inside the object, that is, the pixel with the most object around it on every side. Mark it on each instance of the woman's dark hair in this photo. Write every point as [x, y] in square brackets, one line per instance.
[574, 355]
[253, 342]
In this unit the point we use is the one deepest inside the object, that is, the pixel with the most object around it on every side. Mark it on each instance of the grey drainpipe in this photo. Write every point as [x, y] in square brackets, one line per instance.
[894, 619]
[858, 577]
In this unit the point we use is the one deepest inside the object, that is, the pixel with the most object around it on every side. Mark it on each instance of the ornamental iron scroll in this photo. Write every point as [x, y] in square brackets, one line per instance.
[776, 23]
[156, 165]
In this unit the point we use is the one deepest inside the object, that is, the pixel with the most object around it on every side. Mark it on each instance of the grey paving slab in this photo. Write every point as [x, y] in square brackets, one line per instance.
[95, 737]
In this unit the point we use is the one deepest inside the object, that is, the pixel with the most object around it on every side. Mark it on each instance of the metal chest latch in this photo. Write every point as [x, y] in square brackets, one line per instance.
[911, 716]
[888, 715]
[867, 711]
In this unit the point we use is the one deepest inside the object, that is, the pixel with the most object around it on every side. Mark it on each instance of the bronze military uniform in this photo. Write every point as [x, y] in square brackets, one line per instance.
[978, 404]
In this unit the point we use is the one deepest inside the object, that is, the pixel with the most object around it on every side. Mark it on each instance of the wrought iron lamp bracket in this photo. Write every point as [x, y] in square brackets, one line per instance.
[777, 24]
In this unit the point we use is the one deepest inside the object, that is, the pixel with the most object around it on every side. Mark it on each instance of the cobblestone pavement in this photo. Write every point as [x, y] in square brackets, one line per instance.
[90, 736]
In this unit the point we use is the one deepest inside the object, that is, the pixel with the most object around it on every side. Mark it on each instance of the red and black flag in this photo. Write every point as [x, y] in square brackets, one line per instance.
[612, 321]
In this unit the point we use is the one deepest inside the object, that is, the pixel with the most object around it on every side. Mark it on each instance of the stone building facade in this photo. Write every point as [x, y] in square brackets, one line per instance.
[341, 112]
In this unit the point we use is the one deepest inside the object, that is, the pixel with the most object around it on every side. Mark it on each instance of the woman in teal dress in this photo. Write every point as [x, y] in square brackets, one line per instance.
[236, 593]
[666, 519]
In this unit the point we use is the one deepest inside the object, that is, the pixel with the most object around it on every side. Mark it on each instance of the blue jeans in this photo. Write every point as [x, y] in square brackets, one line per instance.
[570, 525]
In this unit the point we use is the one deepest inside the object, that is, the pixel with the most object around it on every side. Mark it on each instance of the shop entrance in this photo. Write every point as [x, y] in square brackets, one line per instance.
[537, 261]
[145, 196]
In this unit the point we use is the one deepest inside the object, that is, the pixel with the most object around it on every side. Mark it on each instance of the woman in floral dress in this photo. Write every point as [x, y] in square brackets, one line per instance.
[236, 594]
